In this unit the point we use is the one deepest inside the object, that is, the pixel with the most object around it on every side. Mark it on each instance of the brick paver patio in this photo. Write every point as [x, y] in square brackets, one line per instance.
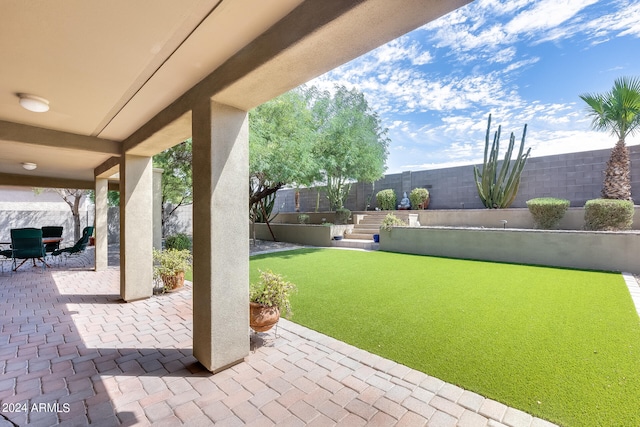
[72, 353]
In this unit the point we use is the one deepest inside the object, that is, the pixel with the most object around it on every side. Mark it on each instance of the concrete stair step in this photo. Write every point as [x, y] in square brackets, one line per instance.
[354, 243]
[370, 222]
[366, 230]
[359, 236]
[376, 225]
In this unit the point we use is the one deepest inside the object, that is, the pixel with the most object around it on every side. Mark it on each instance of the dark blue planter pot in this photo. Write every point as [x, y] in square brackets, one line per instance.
[376, 238]
[337, 237]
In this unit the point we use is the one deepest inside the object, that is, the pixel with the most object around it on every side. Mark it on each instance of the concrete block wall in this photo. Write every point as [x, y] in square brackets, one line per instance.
[576, 177]
[180, 222]
[40, 218]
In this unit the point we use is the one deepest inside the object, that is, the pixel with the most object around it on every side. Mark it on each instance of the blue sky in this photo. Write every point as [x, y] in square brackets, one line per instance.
[522, 61]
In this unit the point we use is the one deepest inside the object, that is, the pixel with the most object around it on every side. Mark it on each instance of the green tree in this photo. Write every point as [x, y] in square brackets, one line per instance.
[617, 111]
[350, 144]
[280, 149]
[177, 180]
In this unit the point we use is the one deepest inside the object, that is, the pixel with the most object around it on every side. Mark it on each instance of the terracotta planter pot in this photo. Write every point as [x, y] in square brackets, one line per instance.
[425, 204]
[173, 282]
[262, 318]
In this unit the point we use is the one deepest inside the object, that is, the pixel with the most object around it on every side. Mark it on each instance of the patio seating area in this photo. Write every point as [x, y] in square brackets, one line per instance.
[72, 353]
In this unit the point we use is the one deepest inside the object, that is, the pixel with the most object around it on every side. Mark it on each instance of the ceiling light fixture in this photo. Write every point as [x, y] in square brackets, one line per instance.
[33, 103]
[29, 166]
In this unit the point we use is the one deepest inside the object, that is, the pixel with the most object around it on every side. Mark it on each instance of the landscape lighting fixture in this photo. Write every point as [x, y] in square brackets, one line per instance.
[29, 166]
[33, 103]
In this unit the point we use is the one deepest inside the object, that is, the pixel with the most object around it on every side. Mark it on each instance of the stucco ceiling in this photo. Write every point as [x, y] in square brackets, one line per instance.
[125, 71]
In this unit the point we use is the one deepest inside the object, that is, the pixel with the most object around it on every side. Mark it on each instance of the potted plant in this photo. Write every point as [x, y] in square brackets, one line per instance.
[419, 198]
[386, 199]
[170, 265]
[267, 299]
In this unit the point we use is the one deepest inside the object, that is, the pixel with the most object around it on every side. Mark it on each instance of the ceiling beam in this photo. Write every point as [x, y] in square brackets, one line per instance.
[108, 168]
[44, 181]
[17, 132]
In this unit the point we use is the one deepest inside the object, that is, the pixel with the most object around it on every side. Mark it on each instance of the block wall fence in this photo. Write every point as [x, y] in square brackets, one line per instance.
[576, 177]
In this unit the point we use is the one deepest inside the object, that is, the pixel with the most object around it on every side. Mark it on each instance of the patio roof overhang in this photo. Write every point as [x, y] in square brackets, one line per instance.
[122, 77]
[126, 80]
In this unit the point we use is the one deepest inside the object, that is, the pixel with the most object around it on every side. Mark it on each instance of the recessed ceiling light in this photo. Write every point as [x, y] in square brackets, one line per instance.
[33, 103]
[29, 166]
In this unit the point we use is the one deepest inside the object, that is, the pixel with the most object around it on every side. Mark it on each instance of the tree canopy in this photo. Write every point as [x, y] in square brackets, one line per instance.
[617, 111]
[350, 144]
[307, 136]
[280, 146]
[177, 181]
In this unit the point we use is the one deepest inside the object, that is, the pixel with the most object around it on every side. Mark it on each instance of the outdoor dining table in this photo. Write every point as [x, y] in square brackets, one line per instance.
[45, 240]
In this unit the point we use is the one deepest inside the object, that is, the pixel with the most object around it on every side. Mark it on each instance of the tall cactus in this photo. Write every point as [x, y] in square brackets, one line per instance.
[499, 189]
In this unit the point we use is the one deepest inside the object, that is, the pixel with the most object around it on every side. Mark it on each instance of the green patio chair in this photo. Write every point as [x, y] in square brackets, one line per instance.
[26, 244]
[79, 247]
[5, 256]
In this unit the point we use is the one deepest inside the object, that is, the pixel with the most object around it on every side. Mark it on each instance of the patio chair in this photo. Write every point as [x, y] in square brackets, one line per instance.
[26, 243]
[5, 255]
[51, 231]
[79, 247]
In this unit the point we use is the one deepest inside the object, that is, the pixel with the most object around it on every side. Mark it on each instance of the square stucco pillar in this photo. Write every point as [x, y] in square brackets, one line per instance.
[136, 227]
[220, 235]
[101, 219]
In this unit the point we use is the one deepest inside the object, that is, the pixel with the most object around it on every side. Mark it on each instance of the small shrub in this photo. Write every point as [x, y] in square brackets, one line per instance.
[608, 215]
[171, 261]
[303, 219]
[386, 200]
[418, 196]
[178, 241]
[547, 211]
[391, 221]
[272, 290]
[342, 216]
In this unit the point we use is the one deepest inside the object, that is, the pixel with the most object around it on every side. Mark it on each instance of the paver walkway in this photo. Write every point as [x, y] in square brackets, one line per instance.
[72, 353]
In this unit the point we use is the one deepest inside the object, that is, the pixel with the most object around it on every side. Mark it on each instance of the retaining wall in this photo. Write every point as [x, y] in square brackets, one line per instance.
[489, 218]
[312, 235]
[609, 251]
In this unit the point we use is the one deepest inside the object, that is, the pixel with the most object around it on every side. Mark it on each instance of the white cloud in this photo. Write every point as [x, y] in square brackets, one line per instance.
[434, 88]
[545, 15]
[520, 64]
[621, 22]
[423, 58]
[551, 142]
[466, 33]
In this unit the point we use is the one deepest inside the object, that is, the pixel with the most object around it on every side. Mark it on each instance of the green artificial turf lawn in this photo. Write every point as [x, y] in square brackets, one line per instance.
[563, 345]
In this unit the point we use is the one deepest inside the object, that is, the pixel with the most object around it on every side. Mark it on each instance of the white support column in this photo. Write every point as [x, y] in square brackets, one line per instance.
[101, 220]
[220, 235]
[136, 227]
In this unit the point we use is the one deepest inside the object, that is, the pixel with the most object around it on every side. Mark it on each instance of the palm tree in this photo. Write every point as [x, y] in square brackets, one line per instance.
[617, 111]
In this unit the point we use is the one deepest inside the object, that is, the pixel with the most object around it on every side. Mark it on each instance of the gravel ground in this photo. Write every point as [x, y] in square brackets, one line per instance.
[264, 246]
